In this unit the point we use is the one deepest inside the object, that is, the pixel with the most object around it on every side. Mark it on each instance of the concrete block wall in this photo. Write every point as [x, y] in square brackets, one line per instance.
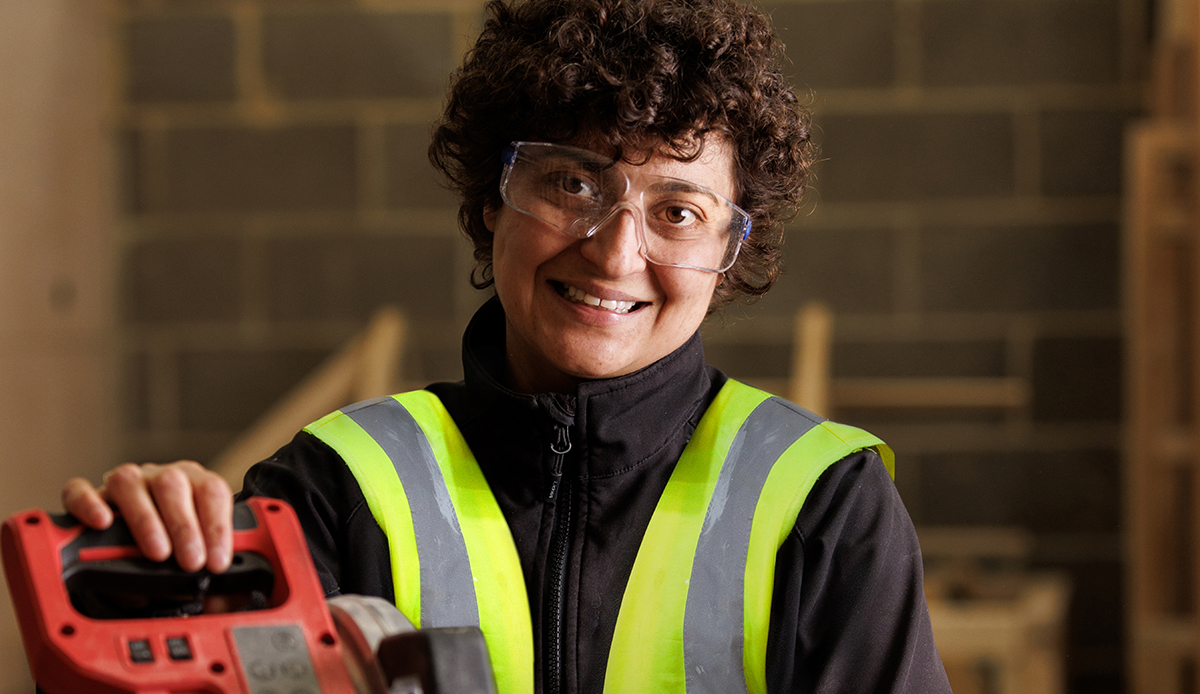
[965, 222]
[276, 192]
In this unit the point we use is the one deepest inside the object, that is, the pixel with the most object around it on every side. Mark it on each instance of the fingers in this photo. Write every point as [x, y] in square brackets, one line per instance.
[214, 507]
[82, 500]
[196, 510]
[179, 508]
[171, 488]
[211, 502]
[127, 487]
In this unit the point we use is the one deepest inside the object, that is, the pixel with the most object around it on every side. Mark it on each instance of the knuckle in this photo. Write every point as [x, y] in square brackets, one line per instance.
[123, 475]
[180, 528]
[215, 531]
[74, 497]
[74, 487]
[67, 497]
[212, 487]
[169, 479]
[190, 467]
[142, 522]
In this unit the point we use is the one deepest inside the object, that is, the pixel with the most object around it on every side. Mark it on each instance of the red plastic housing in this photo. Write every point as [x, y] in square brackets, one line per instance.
[70, 653]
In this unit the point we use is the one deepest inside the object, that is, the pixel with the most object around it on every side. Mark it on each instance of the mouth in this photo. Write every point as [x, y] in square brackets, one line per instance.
[578, 296]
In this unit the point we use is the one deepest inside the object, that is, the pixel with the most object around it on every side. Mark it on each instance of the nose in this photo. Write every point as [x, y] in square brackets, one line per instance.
[615, 247]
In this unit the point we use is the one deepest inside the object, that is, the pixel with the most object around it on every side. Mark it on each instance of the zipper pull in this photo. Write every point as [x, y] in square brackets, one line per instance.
[560, 448]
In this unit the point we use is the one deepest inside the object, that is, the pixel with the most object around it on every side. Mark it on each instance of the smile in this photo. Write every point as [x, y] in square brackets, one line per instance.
[581, 297]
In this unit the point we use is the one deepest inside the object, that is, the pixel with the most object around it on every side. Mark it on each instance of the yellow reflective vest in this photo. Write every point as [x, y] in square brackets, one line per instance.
[696, 610]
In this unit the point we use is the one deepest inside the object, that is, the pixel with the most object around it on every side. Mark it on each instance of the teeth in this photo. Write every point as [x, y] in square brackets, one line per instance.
[580, 296]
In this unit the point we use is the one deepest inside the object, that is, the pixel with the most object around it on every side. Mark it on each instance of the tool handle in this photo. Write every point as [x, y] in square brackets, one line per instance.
[108, 578]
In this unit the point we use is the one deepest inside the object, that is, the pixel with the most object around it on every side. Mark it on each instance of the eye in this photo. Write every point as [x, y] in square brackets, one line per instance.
[573, 184]
[680, 215]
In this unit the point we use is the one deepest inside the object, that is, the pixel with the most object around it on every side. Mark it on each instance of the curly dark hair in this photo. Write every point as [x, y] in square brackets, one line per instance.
[639, 76]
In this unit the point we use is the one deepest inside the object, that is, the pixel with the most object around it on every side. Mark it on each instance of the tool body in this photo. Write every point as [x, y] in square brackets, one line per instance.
[98, 618]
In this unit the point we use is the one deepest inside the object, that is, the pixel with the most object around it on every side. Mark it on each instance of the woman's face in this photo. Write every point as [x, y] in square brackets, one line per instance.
[548, 283]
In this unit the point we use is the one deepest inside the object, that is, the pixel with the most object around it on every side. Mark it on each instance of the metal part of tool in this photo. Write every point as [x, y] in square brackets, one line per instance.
[362, 623]
[386, 654]
[452, 660]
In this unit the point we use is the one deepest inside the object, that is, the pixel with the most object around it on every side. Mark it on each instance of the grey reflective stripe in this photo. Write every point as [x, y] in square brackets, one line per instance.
[713, 620]
[447, 587]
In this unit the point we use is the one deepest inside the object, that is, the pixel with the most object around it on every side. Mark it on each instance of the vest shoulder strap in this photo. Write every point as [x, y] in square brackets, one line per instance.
[452, 555]
[696, 610]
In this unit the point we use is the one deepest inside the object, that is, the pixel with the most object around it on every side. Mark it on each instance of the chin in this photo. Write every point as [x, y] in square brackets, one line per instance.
[592, 372]
[588, 368]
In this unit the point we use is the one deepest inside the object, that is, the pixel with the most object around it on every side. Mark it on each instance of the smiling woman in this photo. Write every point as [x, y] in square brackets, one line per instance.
[614, 514]
[687, 71]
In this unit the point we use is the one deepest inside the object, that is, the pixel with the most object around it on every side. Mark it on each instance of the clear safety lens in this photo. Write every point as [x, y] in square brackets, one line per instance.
[577, 191]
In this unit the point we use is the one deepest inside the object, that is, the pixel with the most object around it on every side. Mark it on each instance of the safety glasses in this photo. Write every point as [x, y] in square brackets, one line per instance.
[577, 191]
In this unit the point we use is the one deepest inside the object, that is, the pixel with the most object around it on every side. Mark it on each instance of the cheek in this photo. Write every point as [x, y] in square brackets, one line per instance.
[506, 251]
[689, 294]
[698, 289]
[519, 248]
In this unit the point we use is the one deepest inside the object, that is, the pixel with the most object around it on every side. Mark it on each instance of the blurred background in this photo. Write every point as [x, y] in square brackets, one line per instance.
[202, 200]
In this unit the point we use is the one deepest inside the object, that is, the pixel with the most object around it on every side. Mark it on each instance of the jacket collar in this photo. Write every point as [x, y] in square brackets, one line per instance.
[615, 424]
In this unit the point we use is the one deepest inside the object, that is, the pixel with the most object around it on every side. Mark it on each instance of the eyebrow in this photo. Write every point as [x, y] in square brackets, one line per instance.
[592, 165]
[677, 185]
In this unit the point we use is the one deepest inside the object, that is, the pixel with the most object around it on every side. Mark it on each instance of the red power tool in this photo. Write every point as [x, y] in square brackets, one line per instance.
[98, 618]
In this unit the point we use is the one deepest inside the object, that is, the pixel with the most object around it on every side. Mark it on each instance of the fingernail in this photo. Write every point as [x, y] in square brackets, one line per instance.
[219, 559]
[100, 518]
[159, 551]
[192, 555]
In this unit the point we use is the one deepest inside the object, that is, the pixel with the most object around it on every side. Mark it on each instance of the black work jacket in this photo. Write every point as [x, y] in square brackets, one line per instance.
[848, 613]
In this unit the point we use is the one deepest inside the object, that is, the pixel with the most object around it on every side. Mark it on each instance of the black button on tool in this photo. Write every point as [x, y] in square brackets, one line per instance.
[179, 649]
[139, 651]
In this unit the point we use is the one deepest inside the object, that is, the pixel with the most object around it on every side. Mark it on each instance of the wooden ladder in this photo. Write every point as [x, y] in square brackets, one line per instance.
[1162, 325]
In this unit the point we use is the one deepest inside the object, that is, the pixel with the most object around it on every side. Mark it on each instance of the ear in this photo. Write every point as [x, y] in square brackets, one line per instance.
[489, 218]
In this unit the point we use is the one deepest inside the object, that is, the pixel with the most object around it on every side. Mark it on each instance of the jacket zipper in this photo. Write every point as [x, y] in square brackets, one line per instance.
[560, 448]
[558, 560]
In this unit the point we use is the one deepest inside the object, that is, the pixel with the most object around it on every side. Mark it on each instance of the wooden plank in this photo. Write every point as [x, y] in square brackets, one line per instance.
[812, 386]
[1014, 621]
[1172, 634]
[912, 393]
[379, 362]
[1162, 300]
[775, 386]
[1173, 69]
[1164, 645]
[1174, 448]
[812, 343]
[1159, 243]
[998, 392]
[1191, 21]
[364, 368]
[975, 543]
[1144, 574]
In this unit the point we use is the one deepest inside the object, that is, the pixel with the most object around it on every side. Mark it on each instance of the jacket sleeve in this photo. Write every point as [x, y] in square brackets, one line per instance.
[348, 548]
[848, 614]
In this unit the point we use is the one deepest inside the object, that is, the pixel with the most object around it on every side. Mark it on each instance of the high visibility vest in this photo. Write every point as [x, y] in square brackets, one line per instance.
[696, 610]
